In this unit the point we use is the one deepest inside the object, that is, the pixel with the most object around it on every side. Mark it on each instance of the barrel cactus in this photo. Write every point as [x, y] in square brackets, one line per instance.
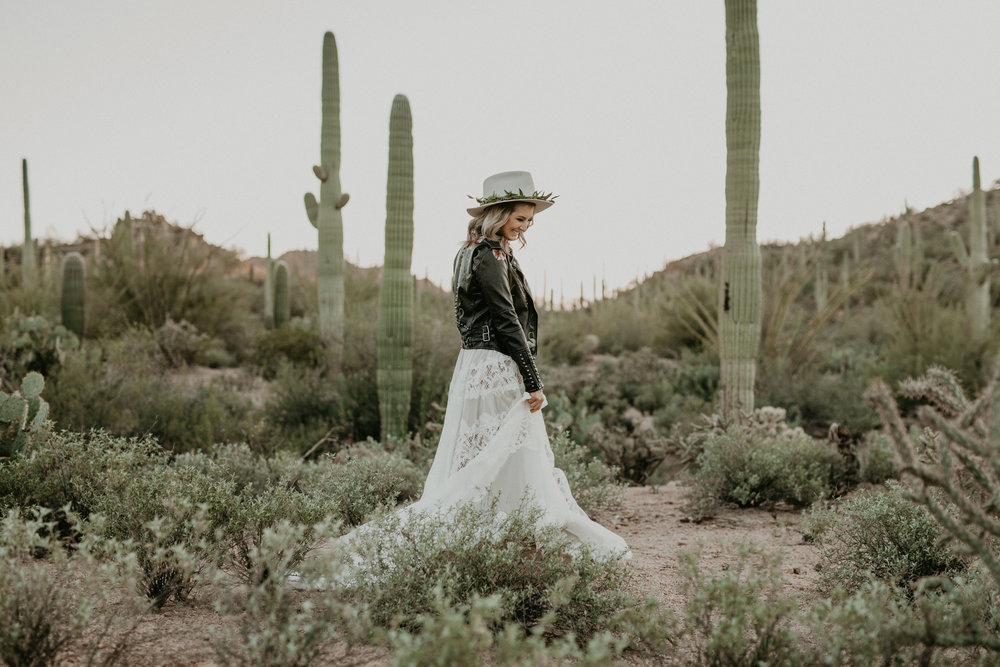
[740, 283]
[975, 261]
[395, 314]
[282, 305]
[324, 213]
[73, 291]
[22, 413]
[28, 249]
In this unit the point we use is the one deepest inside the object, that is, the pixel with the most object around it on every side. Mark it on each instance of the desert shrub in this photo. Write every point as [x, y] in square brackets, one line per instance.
[876, 458]
[359, 482]
[591, 479]
[66, 468]
[884, 535]
[54, 602]
[247, 468]
[476, 551]
[303, 406]
[634, 455]
[32, 343]
[739, 616]
[273, 624]
[296, 344]
[183, 344]
[758, 461]
[170, 515]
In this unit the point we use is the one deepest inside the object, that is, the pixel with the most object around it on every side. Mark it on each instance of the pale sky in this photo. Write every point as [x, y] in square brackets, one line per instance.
[209, 112]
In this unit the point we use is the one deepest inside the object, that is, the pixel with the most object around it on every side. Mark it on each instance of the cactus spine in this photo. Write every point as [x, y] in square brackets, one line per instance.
[28, 249]
[73, 290]
[975, 261]
[740, 284]
[324, 214]
[269, 288]
[281, 303]
[395, 316]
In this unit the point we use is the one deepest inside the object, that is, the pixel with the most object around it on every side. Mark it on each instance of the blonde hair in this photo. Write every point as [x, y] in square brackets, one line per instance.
[489, 223]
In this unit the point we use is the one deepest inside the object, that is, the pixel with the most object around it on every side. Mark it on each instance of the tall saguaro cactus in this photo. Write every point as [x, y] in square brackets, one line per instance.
[269, 288]
[740, 286]
[325, 215]
[282, 305]
[395, 308]
[975, 260]
[73, 290]
[28, 269]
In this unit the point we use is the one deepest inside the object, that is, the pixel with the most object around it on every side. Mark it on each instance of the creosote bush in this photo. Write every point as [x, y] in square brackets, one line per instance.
[759, 461]
[412, 565]
[880, 534]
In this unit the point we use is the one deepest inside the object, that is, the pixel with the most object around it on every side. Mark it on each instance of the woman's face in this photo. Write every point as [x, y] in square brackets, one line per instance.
[518, 222]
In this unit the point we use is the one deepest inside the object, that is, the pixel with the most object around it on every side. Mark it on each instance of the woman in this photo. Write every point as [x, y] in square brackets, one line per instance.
[493, 442]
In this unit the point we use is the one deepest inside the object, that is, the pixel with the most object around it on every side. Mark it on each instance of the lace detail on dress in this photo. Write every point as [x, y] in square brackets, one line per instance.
[473, 439]
[497, 376]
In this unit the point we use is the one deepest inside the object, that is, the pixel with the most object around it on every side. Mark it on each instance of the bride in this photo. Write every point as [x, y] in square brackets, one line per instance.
[493, 442]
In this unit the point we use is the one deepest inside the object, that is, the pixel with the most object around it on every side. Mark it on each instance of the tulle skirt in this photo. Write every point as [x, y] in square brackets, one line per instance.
[493, 449]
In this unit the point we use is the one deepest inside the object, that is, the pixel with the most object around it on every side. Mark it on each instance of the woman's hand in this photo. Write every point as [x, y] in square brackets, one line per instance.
[535, 400]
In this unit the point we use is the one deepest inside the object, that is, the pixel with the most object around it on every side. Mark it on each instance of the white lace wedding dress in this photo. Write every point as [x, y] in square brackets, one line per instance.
[492, 445]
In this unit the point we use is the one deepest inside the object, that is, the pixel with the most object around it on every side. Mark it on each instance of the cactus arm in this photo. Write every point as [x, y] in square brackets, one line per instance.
[312, 209]
[961, 254]
[321, 173]
[342, 200]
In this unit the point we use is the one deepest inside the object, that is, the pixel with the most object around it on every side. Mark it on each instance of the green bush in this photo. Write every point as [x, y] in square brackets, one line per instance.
[884, 535]
[297, 345]
[739, 616]
[32, 343]
[476, 551]
[57, 604]
[183, 344]
[66, 468]
[760, 461]
[359, 482]
[876, 458]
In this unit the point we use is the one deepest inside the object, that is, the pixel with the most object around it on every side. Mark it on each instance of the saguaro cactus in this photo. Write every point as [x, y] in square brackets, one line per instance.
[740, 286]
[325, 214]
[73, 291]
[821, 289]
[269, 288]
[282, 305]
[28, 269]
[975, 261]
[395, 312]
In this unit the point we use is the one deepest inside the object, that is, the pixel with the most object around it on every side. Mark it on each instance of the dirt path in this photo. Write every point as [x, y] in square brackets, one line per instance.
[650, 521]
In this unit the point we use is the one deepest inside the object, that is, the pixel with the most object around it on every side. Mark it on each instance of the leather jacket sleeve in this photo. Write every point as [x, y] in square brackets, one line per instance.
[490, 269]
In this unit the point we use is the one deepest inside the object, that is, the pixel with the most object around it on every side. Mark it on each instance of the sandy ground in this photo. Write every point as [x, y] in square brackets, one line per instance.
[650, 520]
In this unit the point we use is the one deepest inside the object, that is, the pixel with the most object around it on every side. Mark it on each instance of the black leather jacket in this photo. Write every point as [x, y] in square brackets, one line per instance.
[493, 306]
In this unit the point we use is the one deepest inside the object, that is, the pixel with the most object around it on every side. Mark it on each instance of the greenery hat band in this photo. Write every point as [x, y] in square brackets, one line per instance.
[511, 186]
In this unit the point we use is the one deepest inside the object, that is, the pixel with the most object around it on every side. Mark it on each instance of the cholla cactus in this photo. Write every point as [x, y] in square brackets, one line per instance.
[956, 457]
[73, 292]
[395, 317]
[324, 214]
[740, 284]
[975, 261]
[22, 413]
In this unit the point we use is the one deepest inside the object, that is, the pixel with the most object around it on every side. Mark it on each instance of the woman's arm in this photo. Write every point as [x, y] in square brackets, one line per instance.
[490, 269]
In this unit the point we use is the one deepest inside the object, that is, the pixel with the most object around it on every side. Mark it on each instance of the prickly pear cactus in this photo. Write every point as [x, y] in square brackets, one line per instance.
[395, 314]
[740, 286]
[975, 261]
[282, 306]
[28, 268]
[324, 213]
[22, 413]
[73, 292]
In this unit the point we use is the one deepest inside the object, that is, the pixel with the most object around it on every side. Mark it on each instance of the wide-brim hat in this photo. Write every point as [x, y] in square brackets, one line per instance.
[509, 187]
